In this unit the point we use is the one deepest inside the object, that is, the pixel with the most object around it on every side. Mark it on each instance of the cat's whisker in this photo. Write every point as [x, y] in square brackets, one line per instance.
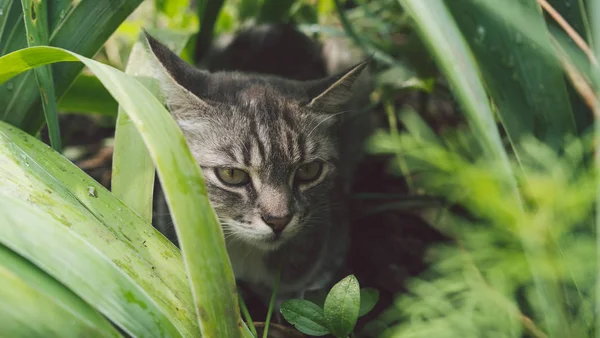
[325, 119]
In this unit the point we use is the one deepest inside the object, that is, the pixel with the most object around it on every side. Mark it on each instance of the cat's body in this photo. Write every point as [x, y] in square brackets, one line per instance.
[278, 155]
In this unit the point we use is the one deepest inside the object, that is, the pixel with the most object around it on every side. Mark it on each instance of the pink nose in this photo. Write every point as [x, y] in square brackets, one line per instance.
[277, 223]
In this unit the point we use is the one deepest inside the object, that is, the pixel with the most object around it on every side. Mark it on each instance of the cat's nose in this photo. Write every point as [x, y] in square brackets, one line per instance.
[277, 223]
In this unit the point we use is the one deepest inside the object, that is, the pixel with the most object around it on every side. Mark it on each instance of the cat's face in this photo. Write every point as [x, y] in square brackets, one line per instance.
[267, 147]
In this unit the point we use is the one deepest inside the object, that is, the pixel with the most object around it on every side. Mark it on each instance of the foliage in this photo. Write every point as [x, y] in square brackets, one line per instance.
[520, 164]
[345, 302]
[524, 254]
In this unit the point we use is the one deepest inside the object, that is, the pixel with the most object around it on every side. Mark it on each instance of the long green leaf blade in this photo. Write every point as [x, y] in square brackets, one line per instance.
[72, 261]
[80, 26]
[33, 304]
[35, 13]
[526, 85]
[33, 172]
[198, 229]
[454, 57]
[132, 168]
[5, 6]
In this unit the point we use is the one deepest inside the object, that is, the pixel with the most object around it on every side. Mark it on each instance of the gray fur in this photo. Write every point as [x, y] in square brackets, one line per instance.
[269, 126]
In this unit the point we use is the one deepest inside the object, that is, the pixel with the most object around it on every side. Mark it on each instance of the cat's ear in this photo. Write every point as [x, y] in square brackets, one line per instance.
[331, 93]
[176, 77]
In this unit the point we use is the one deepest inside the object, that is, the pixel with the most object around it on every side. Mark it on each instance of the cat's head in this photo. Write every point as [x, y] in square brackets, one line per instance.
[267, 146]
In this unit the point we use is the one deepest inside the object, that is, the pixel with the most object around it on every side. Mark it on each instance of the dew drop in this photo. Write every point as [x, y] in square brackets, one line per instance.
[9, 86]
[62, 14]
[480, 34]
[1, 12]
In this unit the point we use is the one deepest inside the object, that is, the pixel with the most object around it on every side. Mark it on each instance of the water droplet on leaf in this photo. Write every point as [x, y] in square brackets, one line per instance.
[480, 34]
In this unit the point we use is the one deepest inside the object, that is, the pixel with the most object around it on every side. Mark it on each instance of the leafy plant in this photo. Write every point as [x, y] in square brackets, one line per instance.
[345, 302]
[84, 226]
[524, 257]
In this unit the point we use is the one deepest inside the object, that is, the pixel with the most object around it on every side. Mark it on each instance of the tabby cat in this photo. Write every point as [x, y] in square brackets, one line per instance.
[277, 151]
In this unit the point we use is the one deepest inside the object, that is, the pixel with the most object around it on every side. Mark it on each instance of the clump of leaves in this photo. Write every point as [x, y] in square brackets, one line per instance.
[345, 303]
[516, 266]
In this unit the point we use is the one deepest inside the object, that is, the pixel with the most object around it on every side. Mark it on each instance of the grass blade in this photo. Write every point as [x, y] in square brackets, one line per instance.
[33, 304]
[454, 57]
[54, 246]
[5, 6]
[77, 214]
[133, 170]
[80, 26]
[526, 84]
[35, 15]
[201, 238]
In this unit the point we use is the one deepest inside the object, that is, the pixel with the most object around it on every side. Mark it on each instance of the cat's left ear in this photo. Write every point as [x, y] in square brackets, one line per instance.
[331, 93]
[178, 81]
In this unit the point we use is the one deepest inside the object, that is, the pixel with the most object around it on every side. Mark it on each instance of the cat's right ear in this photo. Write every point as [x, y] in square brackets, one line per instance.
[175, 77]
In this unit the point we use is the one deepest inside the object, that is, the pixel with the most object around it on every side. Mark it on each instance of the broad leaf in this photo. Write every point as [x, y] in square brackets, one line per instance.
[306, 316]
[368, 299]
[342, 305]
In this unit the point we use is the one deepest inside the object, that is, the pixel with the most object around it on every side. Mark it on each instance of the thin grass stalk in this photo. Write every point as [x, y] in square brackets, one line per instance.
[35, 16]
[272, 302]
[443, 38]
[246, 314]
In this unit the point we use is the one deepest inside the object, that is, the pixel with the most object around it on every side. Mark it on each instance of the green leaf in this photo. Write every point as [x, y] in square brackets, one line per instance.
[51, 240]
[81, 26]
[29, 296]
[199, 232]
[525, 83]
[306, 316]
[87, 95]
[35, 13]
[342, 305]
[368, 299]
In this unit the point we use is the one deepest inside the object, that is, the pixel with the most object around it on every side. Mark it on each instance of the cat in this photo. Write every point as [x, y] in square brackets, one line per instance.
[278, 145]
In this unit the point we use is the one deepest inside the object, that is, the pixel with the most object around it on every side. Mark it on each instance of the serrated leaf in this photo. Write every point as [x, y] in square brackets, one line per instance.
[306, 316]
[342, 305]
[368, 299]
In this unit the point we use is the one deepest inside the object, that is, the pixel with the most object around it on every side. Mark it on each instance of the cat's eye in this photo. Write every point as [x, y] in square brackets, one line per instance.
[309, 172]
[232, 176]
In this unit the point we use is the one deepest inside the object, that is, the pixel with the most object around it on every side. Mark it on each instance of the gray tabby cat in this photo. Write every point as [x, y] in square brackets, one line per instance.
[273, 153]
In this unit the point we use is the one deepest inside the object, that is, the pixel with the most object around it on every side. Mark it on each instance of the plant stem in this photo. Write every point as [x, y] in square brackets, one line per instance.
[246, 314]
[272, 302]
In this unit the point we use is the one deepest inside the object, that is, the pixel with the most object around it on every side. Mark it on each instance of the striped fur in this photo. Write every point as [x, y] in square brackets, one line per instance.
[268, 126]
